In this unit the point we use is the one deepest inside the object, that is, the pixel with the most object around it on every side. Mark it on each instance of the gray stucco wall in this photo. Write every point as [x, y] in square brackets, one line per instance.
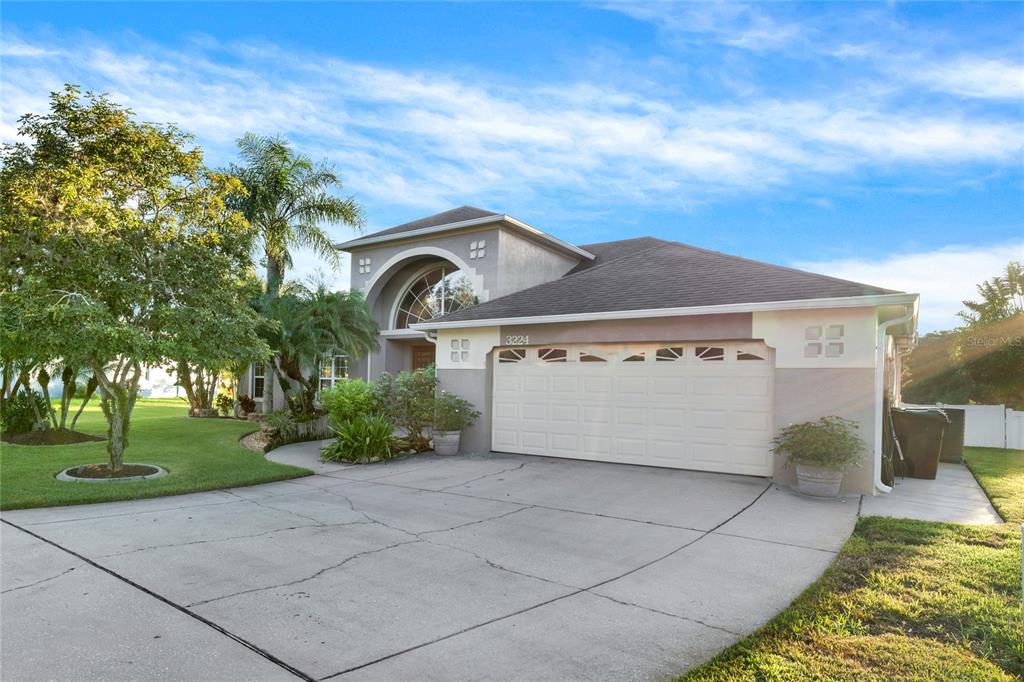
[475, 386]
[726, 327]
[806, 394]
[523, 263]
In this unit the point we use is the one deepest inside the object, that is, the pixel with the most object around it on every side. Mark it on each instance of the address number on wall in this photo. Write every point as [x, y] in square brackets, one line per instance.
[517, 340]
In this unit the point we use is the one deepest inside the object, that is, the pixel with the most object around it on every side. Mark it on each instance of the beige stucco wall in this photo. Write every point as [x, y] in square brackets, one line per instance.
[726, 327]
[803, 394]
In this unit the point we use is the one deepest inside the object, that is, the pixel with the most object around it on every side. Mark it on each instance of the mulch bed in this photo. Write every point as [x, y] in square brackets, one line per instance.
[104, 471]
[49, 438]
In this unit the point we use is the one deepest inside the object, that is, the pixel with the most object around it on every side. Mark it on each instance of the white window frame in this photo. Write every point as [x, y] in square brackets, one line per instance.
[333, 379]
[252, 380]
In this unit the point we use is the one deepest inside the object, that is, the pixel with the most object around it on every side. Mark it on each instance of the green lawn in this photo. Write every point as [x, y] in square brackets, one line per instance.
[904, 600]
[1001, 474]
[199, 454]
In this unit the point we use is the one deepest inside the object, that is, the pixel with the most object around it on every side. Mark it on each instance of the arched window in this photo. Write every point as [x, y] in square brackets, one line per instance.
[436, 292]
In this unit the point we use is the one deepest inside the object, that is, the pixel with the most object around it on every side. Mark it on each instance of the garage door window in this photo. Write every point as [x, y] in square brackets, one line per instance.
[745, 354]
[512, 355]
[669, 354]
[553, 354]
[636, 357]
[590, 357]
[710, 353]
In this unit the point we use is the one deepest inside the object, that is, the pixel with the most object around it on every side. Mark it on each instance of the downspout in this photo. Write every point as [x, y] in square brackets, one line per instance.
[879, 393]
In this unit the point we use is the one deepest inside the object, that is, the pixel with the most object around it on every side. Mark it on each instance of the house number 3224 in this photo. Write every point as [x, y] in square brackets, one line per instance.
[516, 340]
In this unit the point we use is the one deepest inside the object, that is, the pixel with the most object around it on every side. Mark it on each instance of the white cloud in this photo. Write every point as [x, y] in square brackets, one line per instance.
[971, 76]
[944, 277]
[11, 46]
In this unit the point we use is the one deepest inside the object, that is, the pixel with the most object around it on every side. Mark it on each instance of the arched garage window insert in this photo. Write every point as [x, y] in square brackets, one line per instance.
[436, 292]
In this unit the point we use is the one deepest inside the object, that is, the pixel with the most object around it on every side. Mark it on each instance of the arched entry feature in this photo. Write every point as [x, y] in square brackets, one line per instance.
[388, 268]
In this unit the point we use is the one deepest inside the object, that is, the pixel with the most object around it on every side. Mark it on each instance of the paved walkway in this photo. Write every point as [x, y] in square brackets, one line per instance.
[954, 496]
[485, 567]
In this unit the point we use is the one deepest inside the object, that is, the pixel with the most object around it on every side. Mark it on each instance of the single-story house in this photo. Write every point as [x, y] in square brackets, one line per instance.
[641, 351]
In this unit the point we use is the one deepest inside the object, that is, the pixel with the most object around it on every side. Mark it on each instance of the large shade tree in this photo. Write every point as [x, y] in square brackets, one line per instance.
[119, 250]
[289, 200]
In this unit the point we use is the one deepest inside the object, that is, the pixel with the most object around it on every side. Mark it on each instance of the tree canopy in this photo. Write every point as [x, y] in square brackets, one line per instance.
[119, 249]
[289, 200]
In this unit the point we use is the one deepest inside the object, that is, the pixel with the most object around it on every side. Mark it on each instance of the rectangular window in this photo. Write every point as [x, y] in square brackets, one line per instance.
[332, 370]
[259, 380]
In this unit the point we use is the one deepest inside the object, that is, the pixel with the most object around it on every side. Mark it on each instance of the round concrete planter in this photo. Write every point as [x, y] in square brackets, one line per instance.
[446, 442]
[818, 481]
[66, 475]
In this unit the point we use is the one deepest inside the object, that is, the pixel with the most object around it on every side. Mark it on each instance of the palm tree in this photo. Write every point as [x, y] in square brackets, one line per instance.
[289, 201]
[305, 327]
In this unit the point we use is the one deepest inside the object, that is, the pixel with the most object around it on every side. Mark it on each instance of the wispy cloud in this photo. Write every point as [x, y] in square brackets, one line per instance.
[430, 139]
[944, 277]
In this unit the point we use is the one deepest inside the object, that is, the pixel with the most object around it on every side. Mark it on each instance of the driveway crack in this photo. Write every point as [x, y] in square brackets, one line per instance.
[39, 582]
[299, 581]
[480, 478]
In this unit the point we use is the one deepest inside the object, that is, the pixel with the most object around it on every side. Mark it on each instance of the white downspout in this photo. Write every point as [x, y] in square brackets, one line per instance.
[879, 393]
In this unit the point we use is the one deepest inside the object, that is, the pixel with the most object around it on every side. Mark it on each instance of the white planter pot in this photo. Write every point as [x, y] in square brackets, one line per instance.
[818, 481]
[446, 442]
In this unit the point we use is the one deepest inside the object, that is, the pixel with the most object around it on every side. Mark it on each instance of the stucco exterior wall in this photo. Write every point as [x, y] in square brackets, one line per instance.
[726, 327]
[787, 332]
[523, 263]
[803, 394]
[473, 385]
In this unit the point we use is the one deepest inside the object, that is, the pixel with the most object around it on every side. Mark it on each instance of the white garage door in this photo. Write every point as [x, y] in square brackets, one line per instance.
[704, 405]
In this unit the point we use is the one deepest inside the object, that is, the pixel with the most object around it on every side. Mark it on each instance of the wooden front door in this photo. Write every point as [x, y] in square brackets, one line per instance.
[422, 356]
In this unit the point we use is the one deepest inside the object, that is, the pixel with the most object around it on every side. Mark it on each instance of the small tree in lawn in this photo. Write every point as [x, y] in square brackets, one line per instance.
[119, 250]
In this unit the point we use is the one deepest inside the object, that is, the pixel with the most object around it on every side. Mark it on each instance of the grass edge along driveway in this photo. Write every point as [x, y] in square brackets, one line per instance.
[904, 599]
[199, 455]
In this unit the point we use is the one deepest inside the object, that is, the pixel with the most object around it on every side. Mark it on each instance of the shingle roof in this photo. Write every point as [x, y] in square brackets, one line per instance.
[454, 215]
[649, 273]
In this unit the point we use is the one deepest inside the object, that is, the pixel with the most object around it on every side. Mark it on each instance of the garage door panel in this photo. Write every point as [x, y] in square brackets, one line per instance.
[681, 411]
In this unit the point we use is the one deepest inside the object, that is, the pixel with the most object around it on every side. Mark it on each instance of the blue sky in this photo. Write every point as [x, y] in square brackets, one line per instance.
[880, 142]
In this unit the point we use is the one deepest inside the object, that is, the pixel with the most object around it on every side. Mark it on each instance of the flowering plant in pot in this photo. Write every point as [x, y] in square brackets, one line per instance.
[822, 450]
[451, 415]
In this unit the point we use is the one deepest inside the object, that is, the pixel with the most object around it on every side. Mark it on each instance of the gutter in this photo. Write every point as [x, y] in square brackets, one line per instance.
[880, 389]
[766, 306]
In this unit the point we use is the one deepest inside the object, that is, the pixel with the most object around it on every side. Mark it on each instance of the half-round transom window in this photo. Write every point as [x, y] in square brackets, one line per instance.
[436, 292]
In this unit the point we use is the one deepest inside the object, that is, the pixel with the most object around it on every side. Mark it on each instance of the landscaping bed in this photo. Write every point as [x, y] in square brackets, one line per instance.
[905, 600]
[52, 437]
[199, 454]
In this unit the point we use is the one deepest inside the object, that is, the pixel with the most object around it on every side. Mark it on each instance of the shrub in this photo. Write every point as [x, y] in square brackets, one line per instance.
[281, 423]
[828, 442]
[452, 413]
[18, 415]
[225, 404]
[247, 404]
[407, 400]
[348, 400]
[360, 440]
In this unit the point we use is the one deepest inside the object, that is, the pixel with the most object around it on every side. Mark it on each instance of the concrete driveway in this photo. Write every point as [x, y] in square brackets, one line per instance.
[486, 567]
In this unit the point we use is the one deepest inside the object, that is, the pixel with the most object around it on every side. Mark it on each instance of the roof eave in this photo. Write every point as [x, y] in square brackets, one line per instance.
[765, 306]
[463, 224]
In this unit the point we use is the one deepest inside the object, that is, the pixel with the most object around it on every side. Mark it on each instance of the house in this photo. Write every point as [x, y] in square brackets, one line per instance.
[641, 351]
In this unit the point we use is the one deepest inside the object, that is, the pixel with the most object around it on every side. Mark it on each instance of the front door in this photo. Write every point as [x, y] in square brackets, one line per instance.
[422, 356]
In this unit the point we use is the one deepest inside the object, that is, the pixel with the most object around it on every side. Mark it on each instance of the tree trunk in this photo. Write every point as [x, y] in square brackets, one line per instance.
[90, 388]
[118, 404]
[67, 378]
[275, 275]
[45, 420]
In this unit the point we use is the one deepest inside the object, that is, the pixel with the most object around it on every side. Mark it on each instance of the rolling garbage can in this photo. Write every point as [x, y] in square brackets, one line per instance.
[919, 433]
[953, 438]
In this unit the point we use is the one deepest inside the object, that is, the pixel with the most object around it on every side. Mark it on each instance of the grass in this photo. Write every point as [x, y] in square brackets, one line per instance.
[904, 600]
[199, 454]
[1001, 474]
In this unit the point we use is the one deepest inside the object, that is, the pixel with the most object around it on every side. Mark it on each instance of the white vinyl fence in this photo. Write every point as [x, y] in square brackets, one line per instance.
[988, 426]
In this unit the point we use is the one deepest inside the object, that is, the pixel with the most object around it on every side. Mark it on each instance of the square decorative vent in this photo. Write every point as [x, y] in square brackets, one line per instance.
[478, 249]
[364, 266]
